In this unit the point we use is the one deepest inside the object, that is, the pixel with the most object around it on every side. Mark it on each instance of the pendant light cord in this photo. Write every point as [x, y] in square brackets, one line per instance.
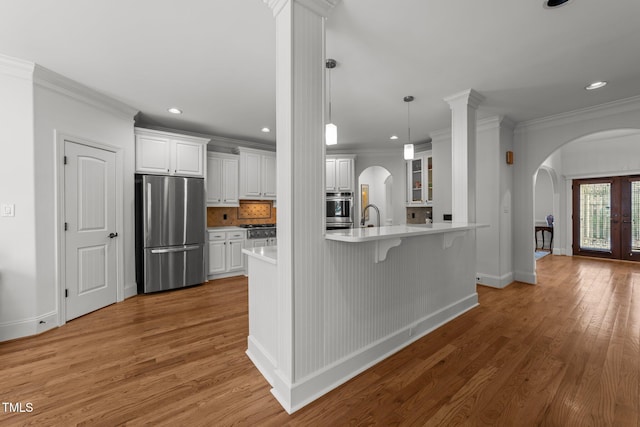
[409, 122]
[330, 96]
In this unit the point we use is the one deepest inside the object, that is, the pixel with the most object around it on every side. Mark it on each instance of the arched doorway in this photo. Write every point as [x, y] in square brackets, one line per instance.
[375, 184]
[611, 153]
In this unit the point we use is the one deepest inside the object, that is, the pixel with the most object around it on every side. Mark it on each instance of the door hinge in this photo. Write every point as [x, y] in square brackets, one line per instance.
[66, 293]
[66, 226]
[64, 160]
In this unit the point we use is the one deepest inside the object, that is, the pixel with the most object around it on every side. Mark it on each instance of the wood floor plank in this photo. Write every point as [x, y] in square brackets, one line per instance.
[561, 353]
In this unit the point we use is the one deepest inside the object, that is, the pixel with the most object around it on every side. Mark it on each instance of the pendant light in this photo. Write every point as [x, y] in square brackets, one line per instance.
[331, 130]
[408, 148]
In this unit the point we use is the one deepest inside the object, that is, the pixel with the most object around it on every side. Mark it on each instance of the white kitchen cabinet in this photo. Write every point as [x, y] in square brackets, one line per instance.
[225, 253]
[340, 174]
[217, 253]
[258, 243]
[257, 174]
[222, 180]
[420, 180]
[166, 153]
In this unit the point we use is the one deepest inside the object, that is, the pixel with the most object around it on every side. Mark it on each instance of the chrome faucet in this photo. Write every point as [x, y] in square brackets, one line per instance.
[370, 205]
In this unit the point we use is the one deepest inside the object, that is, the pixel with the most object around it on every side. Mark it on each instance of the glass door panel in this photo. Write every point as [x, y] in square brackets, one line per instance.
[635, 216]
[416, 181]
[595, 217]
[631, 219]
[606, 217]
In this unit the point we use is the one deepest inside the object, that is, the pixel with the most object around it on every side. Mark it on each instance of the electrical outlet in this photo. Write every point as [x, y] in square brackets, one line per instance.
[8, 209]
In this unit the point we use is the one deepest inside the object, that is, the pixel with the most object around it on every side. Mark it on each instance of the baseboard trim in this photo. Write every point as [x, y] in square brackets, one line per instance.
[261, 359]
[130, 290]
[495, 281]
[28, 327]
[295, 396]
[526, 277]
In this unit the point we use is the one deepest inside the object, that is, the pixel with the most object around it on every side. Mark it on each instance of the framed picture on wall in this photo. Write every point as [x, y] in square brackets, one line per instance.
[364, 200]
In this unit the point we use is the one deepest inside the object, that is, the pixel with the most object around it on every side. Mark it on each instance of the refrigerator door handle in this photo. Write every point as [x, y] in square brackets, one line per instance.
[148, 192]
[169, 250]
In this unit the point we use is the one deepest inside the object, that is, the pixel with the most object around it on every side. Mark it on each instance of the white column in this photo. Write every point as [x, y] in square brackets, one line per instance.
[300, 71]
[463, 154]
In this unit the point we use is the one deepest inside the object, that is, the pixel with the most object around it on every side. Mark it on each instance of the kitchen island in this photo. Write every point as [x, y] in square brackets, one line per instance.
[380, 289]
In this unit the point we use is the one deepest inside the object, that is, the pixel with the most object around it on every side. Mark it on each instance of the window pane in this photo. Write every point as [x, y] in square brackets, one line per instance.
[595, 211]
[635, 216]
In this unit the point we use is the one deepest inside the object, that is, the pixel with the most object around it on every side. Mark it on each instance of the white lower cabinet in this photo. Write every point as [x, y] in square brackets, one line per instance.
[225, 253]
[257, 243]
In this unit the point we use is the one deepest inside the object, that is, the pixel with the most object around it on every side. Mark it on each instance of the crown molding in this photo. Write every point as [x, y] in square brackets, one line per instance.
[60, 84]
[391, 150]
[470, 97]
[15, 67]
[495, 122]
[584, 114]
[320, 7]
[486, 123]
[219, 144]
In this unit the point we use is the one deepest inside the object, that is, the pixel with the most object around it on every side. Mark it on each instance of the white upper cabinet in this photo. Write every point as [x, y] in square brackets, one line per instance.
[420, 180]
[166, 153]
[340, 174]
[257, 174]
[222, 179]
[269, 185]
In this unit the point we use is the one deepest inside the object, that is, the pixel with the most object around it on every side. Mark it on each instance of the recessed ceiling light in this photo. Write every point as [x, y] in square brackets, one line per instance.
[596, 85]
[265, 130]
[174, 110]
[394, 137]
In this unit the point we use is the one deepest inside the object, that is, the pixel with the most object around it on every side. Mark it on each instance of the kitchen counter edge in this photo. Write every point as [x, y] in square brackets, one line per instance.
[265, 253]
[370, 234]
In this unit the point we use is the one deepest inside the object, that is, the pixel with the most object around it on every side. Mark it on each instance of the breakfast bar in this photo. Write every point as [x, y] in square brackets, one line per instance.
[378, 290]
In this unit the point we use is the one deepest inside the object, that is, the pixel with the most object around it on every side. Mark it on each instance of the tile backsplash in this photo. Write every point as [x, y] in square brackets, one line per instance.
[249, 212]
[418, 215]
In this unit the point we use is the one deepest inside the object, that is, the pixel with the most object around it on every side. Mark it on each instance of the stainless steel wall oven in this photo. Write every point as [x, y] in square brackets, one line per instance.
[339, 210]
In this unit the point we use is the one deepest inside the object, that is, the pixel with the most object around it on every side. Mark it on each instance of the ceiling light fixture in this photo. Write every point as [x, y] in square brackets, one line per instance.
[408, 148]
[596, 85]
[174, 110]
[394, 137]
[555, 3]
[331, 130]
[265, 130]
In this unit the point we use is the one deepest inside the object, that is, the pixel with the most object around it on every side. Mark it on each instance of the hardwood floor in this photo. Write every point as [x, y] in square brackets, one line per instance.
[565, 352]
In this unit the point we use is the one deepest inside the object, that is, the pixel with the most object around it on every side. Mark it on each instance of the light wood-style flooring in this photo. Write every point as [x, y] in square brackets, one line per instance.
[565, 352]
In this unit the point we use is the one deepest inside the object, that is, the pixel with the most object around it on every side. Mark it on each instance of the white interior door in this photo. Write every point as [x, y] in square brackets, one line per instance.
[90, 222]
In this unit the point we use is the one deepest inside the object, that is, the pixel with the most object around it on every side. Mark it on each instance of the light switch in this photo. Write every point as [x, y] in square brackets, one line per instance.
[8, 209]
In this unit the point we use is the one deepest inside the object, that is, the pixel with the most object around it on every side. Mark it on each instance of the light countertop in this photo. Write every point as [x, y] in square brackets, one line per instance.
[265, 253]
[225, 228]
[368, 234]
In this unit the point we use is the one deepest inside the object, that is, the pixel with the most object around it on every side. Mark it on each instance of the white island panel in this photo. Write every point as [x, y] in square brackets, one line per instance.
[365, 310]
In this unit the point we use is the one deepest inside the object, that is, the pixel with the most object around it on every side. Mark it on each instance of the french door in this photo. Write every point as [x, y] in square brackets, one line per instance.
[606, 217]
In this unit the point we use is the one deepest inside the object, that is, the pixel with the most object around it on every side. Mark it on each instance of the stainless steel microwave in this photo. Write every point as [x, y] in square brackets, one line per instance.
[339, 210]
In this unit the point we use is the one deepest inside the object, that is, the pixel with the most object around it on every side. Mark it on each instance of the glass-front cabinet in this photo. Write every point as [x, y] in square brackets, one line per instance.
[420, 180]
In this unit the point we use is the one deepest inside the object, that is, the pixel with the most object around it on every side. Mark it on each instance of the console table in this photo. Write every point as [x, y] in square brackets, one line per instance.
[543, 228]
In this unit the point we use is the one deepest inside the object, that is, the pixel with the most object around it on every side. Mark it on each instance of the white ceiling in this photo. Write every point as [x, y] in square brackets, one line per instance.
[215, 59]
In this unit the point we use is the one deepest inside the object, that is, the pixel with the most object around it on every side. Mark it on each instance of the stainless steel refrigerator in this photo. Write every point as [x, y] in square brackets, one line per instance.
[170, 232]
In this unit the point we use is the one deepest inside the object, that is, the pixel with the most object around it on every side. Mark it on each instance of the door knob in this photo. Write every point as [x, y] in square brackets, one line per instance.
[112, 235]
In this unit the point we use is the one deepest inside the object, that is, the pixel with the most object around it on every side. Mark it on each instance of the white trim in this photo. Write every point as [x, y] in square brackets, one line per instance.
[499, 282]
[62, 85]
[525, 277]
[607, 174]
[15, 67]
[59, 235]
[581, 115]
[28, 327]
[294, 396]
